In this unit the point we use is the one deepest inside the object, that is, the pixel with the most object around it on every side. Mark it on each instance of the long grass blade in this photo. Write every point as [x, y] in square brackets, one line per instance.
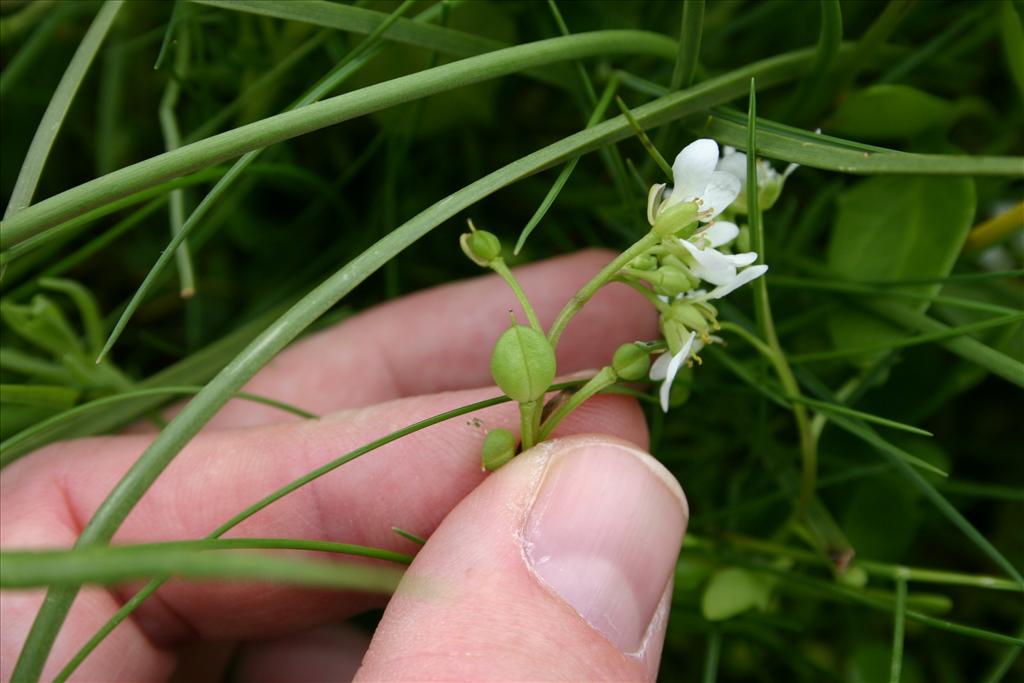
[60, 103]
[197, 560]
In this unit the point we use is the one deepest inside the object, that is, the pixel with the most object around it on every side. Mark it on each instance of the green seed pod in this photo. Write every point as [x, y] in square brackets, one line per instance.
[499, 447]
[523, 363]
[631, 362]
[674, 219]
[480, 246]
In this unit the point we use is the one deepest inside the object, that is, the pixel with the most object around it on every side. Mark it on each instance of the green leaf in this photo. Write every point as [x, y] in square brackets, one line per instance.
[733, 591]
[42, 323]
[891, 112]
[896, 228]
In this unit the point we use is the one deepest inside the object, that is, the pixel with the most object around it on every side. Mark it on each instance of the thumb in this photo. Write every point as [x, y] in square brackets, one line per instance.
[559, 566]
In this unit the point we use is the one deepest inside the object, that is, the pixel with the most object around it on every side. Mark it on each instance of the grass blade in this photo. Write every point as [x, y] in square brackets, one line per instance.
[196, 560]
[42, 432]
[689, 44]
[53, 117]
[332, 111]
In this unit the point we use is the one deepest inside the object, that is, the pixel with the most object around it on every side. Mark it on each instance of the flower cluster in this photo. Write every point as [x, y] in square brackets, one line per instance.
[692, 264]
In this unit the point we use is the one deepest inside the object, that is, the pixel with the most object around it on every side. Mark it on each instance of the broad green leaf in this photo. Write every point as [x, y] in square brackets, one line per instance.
[733, 591]
[897, 228]
[891, 112]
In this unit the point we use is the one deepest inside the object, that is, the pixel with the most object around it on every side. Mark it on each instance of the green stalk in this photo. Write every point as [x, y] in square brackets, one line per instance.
[599, 382]
[499, 266]
[172, 140]
[766, 325]
[573, 306]
[899, 621]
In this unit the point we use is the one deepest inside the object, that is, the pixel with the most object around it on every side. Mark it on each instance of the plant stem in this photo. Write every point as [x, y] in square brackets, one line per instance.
[573, 306]
[899, 621]
[527, 419]
[499, 266]
[602, 380]
[766, 325]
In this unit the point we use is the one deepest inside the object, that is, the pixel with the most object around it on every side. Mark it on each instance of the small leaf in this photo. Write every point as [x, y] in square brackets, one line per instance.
[733, 591]
[896, 228]
[891, 112]
[42, 323]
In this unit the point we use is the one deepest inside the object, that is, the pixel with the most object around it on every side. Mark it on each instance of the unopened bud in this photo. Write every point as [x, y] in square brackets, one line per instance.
[523, 363]
[631, 362]
[675, 218]
[672, 281]
[499, 447]
[644, 262]
[689, 316]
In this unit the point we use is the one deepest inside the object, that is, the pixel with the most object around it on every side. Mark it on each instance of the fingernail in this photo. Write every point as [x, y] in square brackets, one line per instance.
[604, 533]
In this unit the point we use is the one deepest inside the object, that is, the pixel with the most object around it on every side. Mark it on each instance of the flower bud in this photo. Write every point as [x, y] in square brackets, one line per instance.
[499, 447]
[523, 363]
[631, 362]
[674, 219]
[480, 246]
[644, 262]
[671, 281]
[689, 316]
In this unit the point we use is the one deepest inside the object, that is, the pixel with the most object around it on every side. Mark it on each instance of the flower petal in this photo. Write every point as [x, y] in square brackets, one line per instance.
[659, 368]
[735, 164]
[711, 265]
[719, 232]
[673, 368]
[744, 259]
[692, 169]
[721, 191]
[742, 278]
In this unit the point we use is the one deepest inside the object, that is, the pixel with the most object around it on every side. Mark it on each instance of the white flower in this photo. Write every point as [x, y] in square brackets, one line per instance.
[667, 366]
[727, 271]
[697, 181]
[742, 277]
[769, 181]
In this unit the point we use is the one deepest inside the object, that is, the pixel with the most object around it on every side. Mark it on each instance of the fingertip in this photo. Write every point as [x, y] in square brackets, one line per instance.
[559, 565]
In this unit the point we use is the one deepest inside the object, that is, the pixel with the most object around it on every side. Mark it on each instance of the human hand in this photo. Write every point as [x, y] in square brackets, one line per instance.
[584, 526]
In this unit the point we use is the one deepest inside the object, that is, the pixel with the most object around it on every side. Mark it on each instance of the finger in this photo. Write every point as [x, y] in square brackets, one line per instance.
[558, 567]
[411, 483]
[441, 340]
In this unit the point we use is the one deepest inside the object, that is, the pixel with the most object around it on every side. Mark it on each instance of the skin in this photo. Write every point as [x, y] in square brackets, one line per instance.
[376, 372]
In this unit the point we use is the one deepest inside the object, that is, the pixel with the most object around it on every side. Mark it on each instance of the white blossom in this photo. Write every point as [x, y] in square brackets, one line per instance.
[696, 180]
